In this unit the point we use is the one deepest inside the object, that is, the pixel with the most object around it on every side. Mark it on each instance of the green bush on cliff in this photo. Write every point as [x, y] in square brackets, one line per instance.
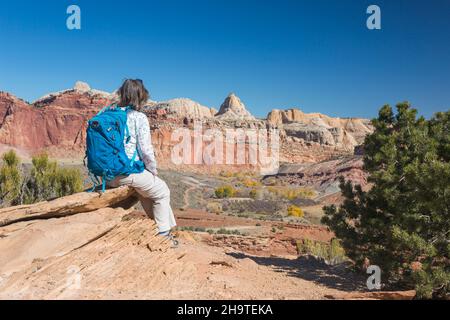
[48, 180]
[402, 224]
[10, 178]
[69, 181]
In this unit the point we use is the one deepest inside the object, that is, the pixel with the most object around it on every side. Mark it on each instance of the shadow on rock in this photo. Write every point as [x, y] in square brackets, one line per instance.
[312, 269]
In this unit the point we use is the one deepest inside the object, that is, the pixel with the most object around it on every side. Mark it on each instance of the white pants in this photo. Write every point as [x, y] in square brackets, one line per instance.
[154, 195]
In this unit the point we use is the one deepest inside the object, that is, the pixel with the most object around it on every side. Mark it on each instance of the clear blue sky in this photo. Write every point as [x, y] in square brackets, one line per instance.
[317, 55]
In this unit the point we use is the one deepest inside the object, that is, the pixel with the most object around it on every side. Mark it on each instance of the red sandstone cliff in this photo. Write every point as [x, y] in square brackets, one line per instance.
[56, 123]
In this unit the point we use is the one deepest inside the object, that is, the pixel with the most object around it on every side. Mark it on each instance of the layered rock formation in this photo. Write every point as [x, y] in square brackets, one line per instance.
[57, 122]
[67, 206]
[182, 108]
[324, 176]
[233, 109]
[319, 128]
[70, 97]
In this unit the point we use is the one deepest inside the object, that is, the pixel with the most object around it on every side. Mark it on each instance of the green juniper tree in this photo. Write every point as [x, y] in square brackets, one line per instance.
[402, 224]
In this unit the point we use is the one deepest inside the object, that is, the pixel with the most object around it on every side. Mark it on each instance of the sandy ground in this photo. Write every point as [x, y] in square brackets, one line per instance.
[108, 254]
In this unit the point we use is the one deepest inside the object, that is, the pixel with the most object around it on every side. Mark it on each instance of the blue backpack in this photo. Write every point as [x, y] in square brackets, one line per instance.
[105, 149]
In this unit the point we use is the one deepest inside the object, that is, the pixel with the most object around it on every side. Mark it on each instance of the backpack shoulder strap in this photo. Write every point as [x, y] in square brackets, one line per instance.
[127, 130]
[133, 159]
[104, 109]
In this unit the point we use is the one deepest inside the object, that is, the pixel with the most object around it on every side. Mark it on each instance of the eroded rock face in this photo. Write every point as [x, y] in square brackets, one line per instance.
[324, 176]
[312, 133]
[316, 127]
[81, 86]
[56, 123]
[233, 109]
[65, 97]
[182, 108]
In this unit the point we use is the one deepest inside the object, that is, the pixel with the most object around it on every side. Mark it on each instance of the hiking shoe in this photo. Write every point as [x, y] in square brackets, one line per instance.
[169, 235]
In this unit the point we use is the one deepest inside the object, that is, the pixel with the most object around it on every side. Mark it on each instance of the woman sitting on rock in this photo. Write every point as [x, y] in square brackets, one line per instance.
[153, 192]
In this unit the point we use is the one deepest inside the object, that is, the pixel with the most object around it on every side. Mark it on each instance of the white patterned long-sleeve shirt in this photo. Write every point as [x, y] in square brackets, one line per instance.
[140, 140]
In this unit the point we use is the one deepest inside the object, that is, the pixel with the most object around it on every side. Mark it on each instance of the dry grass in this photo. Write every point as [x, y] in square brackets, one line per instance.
[332, 252]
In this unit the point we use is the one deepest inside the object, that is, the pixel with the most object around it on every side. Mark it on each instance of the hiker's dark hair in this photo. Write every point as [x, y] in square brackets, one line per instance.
[133, 94]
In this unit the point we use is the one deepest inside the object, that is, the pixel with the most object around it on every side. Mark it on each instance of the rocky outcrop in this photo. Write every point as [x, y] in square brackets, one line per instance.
[233, 109]
[80, 88]
[319, 128]
[57, 122]
[116, 253]
[324, 176]
[310, 133]
[96, 233]
[70, 205]
[182, 108]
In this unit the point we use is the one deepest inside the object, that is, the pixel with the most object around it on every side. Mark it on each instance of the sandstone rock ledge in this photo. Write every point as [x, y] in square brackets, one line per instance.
[92, 246]
[66, 206]
[95, 239]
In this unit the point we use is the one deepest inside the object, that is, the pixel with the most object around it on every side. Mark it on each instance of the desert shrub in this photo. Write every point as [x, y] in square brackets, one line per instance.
[258, 194]
[294, 211]
[333, 253]
[240, 193]
[225, 192]
[226, 174]
[193, 229]
[226, 231]
[68, 181]
[336, 252]
[249, 182]
[10, 178]
[41, 184]
[48, 180]
[214, 207]
[302, 193]
[402, 223]
[244, 174]
[290, 193]
[185, 228]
